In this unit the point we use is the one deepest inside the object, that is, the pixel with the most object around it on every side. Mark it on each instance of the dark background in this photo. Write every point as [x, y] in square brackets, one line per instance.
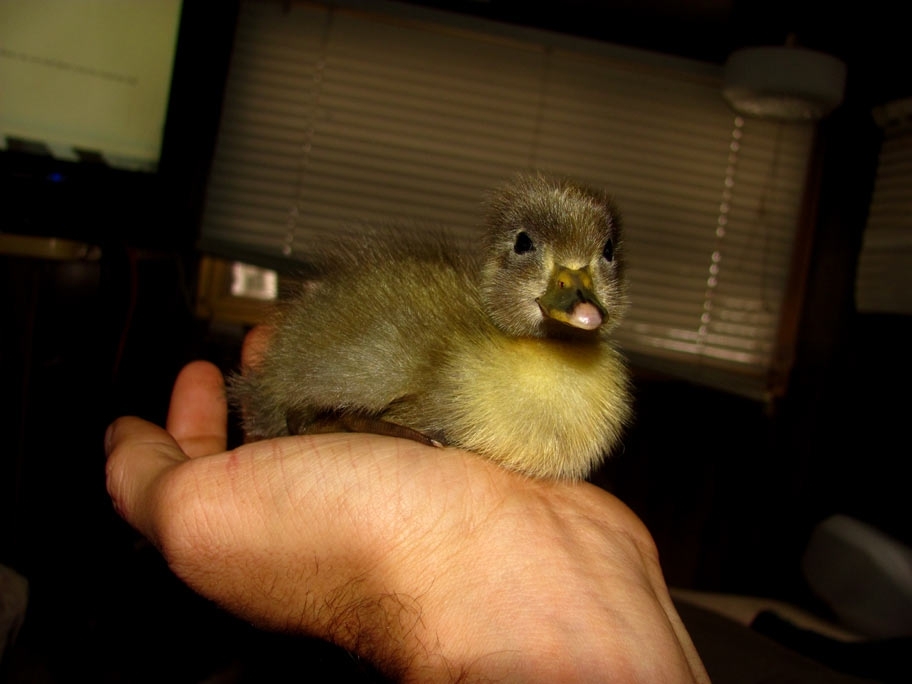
[730, 488]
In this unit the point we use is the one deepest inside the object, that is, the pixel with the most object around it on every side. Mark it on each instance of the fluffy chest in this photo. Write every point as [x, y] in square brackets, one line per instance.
[559, 406]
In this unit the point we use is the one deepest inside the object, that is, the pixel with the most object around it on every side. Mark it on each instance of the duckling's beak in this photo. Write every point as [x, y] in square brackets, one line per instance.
[570, 298]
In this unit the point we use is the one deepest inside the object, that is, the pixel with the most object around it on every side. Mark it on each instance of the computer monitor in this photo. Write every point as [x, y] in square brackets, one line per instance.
[108, 114]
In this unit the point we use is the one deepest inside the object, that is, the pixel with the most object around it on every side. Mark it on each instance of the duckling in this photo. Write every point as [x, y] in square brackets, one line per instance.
[507, 353]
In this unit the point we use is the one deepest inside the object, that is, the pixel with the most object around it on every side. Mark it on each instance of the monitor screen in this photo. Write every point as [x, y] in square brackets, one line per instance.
[88, 80]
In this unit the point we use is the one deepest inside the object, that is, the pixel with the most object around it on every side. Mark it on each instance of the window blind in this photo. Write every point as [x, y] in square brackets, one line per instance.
[339, 115]
[884, 279]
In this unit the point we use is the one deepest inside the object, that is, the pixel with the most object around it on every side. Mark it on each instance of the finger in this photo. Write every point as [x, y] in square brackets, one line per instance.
[198, 414]
[138, 454]
[255, 345]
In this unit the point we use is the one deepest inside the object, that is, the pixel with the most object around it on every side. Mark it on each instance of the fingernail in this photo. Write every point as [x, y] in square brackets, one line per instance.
[108, 438]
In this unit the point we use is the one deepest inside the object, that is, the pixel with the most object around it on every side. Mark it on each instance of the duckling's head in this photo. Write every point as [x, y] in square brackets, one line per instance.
[555, 259]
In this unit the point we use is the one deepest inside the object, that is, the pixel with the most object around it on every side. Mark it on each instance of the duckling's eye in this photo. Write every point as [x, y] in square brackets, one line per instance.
[523, 243]
[608, 251]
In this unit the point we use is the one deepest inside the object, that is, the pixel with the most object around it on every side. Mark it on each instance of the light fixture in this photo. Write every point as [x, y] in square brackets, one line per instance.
[784, 82]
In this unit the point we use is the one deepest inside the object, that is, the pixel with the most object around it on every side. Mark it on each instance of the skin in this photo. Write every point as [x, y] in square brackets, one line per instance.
[434, 564]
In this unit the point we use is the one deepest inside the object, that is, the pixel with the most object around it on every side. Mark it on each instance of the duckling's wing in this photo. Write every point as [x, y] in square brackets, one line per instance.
[368, 337]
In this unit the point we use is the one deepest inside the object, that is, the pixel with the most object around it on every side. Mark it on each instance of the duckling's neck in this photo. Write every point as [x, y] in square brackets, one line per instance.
[555, 330]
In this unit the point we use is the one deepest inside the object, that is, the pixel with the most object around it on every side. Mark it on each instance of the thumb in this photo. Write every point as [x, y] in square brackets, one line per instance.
[139, 453]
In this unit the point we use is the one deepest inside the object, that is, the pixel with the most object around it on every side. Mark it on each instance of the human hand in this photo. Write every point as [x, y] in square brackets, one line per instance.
[433, 564]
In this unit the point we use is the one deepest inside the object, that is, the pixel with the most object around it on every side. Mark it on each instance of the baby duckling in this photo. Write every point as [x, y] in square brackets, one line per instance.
[507, 353]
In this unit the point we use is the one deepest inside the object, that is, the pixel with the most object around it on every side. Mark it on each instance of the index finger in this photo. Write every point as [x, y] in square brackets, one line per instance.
[198, 413]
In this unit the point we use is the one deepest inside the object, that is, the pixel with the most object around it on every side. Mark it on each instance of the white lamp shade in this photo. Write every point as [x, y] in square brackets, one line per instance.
[783, 82]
